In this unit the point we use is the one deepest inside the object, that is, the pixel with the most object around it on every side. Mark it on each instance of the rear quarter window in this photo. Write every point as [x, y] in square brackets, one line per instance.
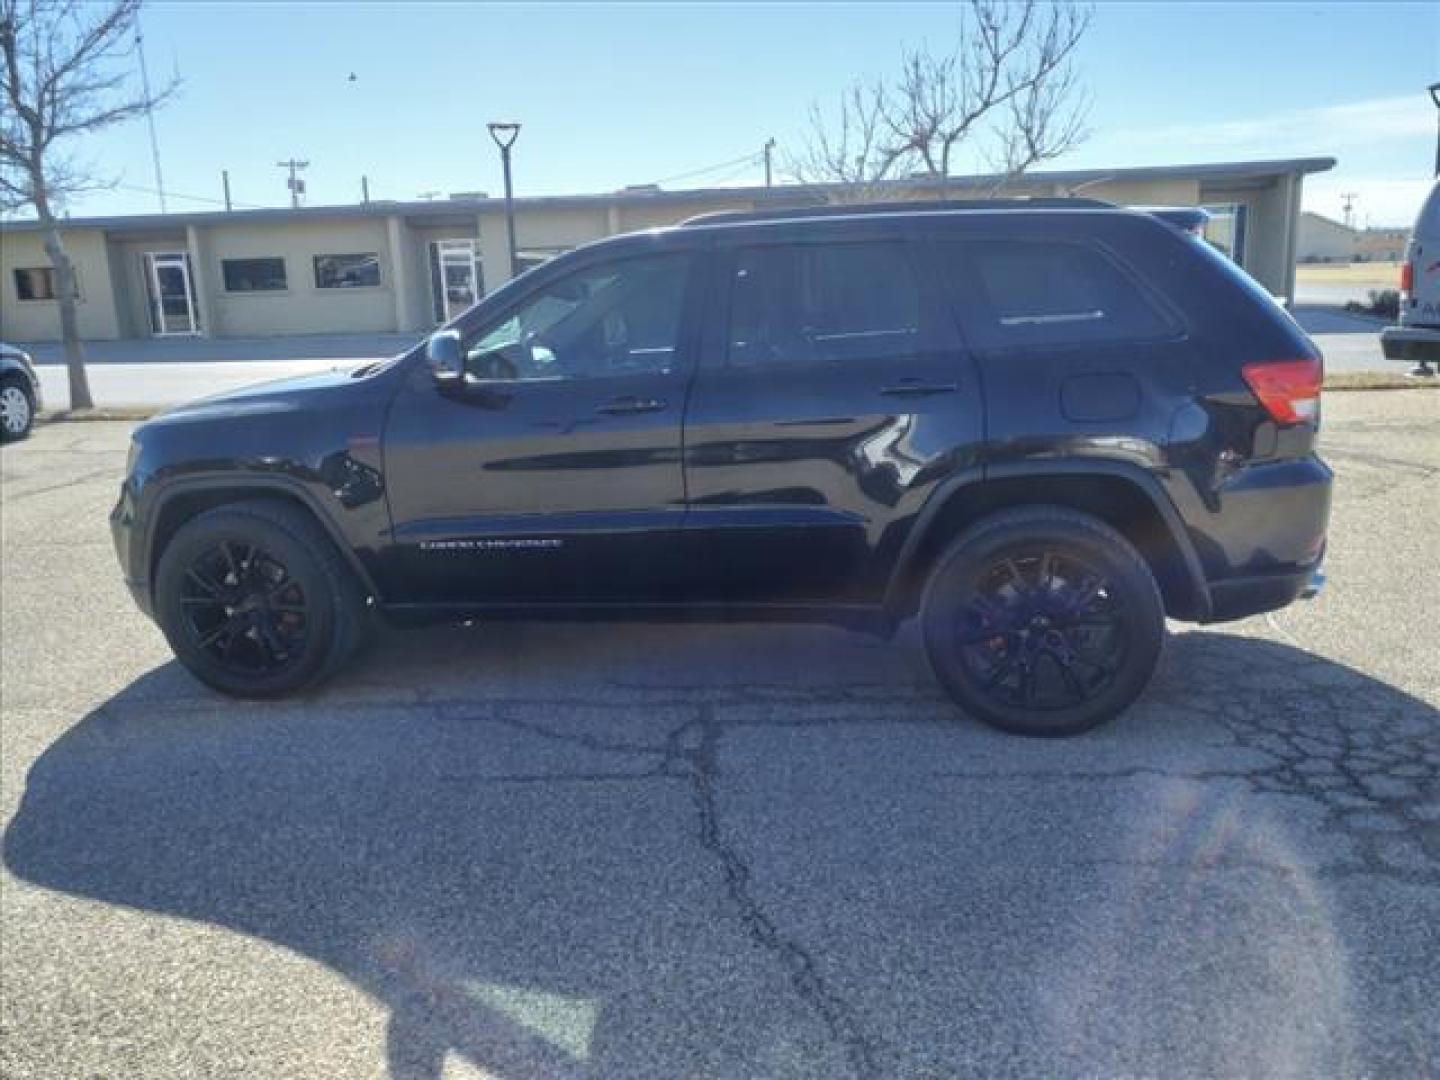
[1015, 294]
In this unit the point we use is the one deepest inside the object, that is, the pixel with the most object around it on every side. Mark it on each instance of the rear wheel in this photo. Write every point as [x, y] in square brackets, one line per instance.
[256, 601]
[17, 408]
[1043, 621]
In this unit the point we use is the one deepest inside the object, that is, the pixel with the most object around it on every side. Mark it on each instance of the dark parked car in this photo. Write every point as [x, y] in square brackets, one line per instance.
[1041, 427]
[19, 393]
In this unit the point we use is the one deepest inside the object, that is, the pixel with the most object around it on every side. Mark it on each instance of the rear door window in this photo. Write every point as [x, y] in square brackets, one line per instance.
[1035, 293]
[814, 303]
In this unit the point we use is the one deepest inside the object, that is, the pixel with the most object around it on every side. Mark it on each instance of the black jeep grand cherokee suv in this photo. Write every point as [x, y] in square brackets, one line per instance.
[1042, 427]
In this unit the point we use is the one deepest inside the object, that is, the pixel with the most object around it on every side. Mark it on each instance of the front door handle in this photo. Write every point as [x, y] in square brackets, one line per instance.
[917, 388]
[630, 404]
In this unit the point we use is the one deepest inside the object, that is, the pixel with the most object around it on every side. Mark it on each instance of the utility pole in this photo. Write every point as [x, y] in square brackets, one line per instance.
[225, 183]
[150, 116]
[1348, 198]
[295, 183]
[505, 135]
[1435, 97]
[769, 150]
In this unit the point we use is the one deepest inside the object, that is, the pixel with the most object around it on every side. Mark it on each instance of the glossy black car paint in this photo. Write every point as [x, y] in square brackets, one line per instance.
[799, 493]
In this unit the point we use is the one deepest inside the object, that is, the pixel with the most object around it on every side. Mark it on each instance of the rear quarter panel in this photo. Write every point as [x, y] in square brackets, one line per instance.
[1174, 405]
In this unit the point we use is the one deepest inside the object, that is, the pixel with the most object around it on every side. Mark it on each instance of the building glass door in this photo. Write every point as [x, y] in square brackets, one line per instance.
[455, 281]
[172, 293]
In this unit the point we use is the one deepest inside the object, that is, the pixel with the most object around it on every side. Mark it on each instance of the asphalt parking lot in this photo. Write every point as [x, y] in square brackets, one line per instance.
[745, 851]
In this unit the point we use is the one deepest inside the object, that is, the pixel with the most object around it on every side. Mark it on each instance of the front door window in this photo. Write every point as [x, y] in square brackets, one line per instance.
[621, 318]
[171, 293]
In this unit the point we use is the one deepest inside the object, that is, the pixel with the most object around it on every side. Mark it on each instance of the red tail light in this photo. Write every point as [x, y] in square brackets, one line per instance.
[1289, 389]
[1407, 277]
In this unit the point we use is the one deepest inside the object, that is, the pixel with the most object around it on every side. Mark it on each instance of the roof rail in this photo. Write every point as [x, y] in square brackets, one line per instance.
[918, 206]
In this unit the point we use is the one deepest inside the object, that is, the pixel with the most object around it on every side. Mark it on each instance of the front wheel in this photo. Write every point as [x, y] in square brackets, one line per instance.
[256, 601]
[1042, 621]
[17, 408]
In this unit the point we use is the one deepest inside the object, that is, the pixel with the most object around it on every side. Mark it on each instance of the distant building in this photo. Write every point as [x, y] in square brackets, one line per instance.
[1381, 245]
[408, 266]
[1323, 239]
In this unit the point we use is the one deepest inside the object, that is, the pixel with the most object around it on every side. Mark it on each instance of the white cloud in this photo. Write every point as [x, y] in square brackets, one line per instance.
[1388, 128]
[1384, 149]
[1375, 120]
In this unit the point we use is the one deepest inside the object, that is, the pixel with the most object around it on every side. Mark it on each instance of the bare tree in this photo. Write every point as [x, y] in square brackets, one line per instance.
[1009, 88]
[65, 74]
[845, 147]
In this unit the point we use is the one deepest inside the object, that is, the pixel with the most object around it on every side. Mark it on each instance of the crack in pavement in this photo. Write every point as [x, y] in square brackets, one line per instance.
[1372, 767]
[20, 496]
[690, 752]
[836, 1013]
[1379, 786]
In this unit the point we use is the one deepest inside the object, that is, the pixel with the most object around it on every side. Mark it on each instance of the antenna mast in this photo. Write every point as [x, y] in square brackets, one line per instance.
[150, 115]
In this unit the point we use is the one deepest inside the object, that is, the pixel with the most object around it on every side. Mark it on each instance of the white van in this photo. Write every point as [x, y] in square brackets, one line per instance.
[1417, 335]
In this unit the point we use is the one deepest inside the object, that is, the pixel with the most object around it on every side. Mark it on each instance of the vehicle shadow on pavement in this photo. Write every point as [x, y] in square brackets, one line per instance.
[543, 853]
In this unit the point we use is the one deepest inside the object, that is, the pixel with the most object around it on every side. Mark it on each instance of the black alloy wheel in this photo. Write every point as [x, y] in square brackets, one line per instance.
[1043, 621]
[1041, 630]
[244, 608]
[256, 601]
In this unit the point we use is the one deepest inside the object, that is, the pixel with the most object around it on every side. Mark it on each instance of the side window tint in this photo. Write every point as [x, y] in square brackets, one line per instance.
[620, 318]
[1037, 293]
[823, 302]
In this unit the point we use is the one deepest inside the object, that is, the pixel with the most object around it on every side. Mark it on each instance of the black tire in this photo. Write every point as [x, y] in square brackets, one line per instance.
[256, 601]
[25, 404]
[1042, 621]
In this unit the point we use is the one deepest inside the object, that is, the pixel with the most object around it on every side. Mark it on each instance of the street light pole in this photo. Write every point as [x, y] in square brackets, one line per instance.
[505, 135]
[1435, 97]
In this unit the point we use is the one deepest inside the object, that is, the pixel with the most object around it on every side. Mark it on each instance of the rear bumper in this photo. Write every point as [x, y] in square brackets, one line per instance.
[1265, 546]
[1412, 343]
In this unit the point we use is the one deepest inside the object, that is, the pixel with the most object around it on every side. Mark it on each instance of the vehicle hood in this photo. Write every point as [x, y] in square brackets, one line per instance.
[292, 394]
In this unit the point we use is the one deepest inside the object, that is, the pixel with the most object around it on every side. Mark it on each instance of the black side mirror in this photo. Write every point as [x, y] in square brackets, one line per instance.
[446, 358]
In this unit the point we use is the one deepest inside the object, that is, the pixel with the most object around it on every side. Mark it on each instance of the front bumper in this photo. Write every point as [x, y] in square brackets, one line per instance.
[1415, 344]
[123, 525]
[1237, 598]
[35, 390]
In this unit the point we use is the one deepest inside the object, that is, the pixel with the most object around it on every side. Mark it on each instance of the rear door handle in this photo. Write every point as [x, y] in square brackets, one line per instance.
[630, 404]
[917, 388]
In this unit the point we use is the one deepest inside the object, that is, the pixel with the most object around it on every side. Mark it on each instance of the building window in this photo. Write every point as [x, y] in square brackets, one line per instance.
[254, 275]
[38, 283]
[347, 271]
[1226, 229]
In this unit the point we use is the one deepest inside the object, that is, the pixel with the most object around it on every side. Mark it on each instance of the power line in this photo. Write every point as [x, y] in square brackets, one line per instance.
[748, 159]
[191, 198]
[731, 176]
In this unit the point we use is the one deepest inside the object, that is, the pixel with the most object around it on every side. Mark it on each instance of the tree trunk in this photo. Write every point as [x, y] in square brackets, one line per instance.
[66, 294]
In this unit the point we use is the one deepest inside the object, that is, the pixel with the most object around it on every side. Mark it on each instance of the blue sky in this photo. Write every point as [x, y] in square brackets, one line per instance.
[614, 94]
